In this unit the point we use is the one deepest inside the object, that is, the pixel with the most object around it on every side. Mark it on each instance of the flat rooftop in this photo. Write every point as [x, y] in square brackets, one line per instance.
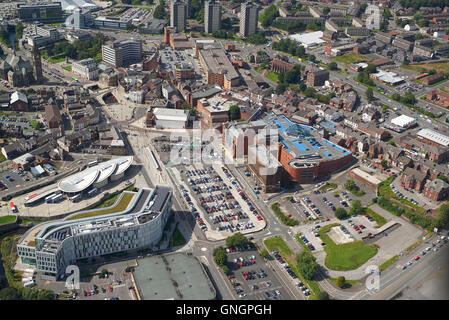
[173, 277]
[434, 136]
[217, 61]
[304, 142]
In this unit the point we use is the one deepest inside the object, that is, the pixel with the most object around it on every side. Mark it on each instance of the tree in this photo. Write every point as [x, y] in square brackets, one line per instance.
[9, 294]
[221, 258]
[350, 185]
[280, 88]
[264, 253]
[159, 12]
[396, 96]
[236, 240]
[104, 272]
[444, 178]
[442, 218]
[341, 213]
[341, 281]
[310, 92]
[332, 66]
[356, 207]
[384, 163]
[234, 112]
[369, 94]
[371, 68]
[323, 295]
[326, 11]
[306, 264]
[45, 294]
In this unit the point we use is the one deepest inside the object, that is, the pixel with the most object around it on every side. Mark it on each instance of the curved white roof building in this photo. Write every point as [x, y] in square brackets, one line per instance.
[95, 176]
[71, 5]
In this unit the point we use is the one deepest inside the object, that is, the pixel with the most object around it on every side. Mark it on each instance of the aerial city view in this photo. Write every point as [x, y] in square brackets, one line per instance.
[220, 151]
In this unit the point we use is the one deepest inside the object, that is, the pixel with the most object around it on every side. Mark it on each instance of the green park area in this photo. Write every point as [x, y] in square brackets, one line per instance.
[276, 207]
[438, 67]
[304, 268]
[106, 207]
[273, 77]
[347, 256]
[7, 219]
[351, 57]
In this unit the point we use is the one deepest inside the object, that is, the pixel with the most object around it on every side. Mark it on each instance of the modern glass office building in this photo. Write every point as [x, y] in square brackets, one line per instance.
[54, 245]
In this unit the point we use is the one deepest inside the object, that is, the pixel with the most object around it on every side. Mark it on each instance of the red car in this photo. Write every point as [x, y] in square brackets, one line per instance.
[110, 289]
[327, 219]
[417, 258]
[370, 234]
[289, 215]
[259, 218]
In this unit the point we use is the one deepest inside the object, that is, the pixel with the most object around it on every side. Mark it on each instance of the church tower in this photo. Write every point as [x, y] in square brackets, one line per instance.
[37, 65]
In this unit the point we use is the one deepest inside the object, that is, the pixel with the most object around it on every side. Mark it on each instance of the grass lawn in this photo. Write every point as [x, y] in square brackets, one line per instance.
[278, 244]
[388, 263]
[106, 207]
[328, 186]
[439, 67]
[386, 192]
[347, 256]
[7, 219]
[348, 283]
[23, 221]
[351, 57]
[2, 157]
[377, 217]
[176, 239]
[273, 77]
[284, 219]
[68, 68]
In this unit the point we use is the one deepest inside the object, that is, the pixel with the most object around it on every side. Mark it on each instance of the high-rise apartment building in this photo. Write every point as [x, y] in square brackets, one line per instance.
[178, 15]
[122, 53]
[248, 19]
[212, 16]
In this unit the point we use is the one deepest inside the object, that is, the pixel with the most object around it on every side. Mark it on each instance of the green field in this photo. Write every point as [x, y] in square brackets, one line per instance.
[439, 67]
[347, 256]
[7, 219]
[278, 244]
[388, 263]
[377, 217]
[273, 77]
[276, 207]
[2, 157]
[351, 57]
[328, 186]
[122, 205]
[68, 68]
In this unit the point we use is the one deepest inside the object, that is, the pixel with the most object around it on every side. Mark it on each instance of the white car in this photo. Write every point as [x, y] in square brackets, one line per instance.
[242, 295]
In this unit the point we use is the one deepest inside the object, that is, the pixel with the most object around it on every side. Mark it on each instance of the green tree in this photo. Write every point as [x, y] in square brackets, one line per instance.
[442, 218]
[332, 66]
[45, 294]
[341, 281]
[236, 240]
[264, 253]
[369, 94]
[9, 293]
[350, 184]
[341, 213]
[104, 272]
[159, 12]
[356, 207]
[323, 295]
[220, 258]
[384, 163]
[306, 264]
[326, 11]
[234, 112]
[310, 92]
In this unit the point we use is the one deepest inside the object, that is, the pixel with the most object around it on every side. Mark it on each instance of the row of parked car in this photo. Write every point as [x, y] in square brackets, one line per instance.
[195, 213]
[401, 195]
[307, 242]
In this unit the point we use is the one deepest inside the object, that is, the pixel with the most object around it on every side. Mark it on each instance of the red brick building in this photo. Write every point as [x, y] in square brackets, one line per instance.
[413, 179]
[436, 190]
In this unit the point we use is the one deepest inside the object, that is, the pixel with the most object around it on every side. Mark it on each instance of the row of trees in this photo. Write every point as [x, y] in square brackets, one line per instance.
[159, 12]
[79, 49]
[26, 293]
[258, 38]
[290, 46]
[407, 98]
[416, 4]
[269, 15]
